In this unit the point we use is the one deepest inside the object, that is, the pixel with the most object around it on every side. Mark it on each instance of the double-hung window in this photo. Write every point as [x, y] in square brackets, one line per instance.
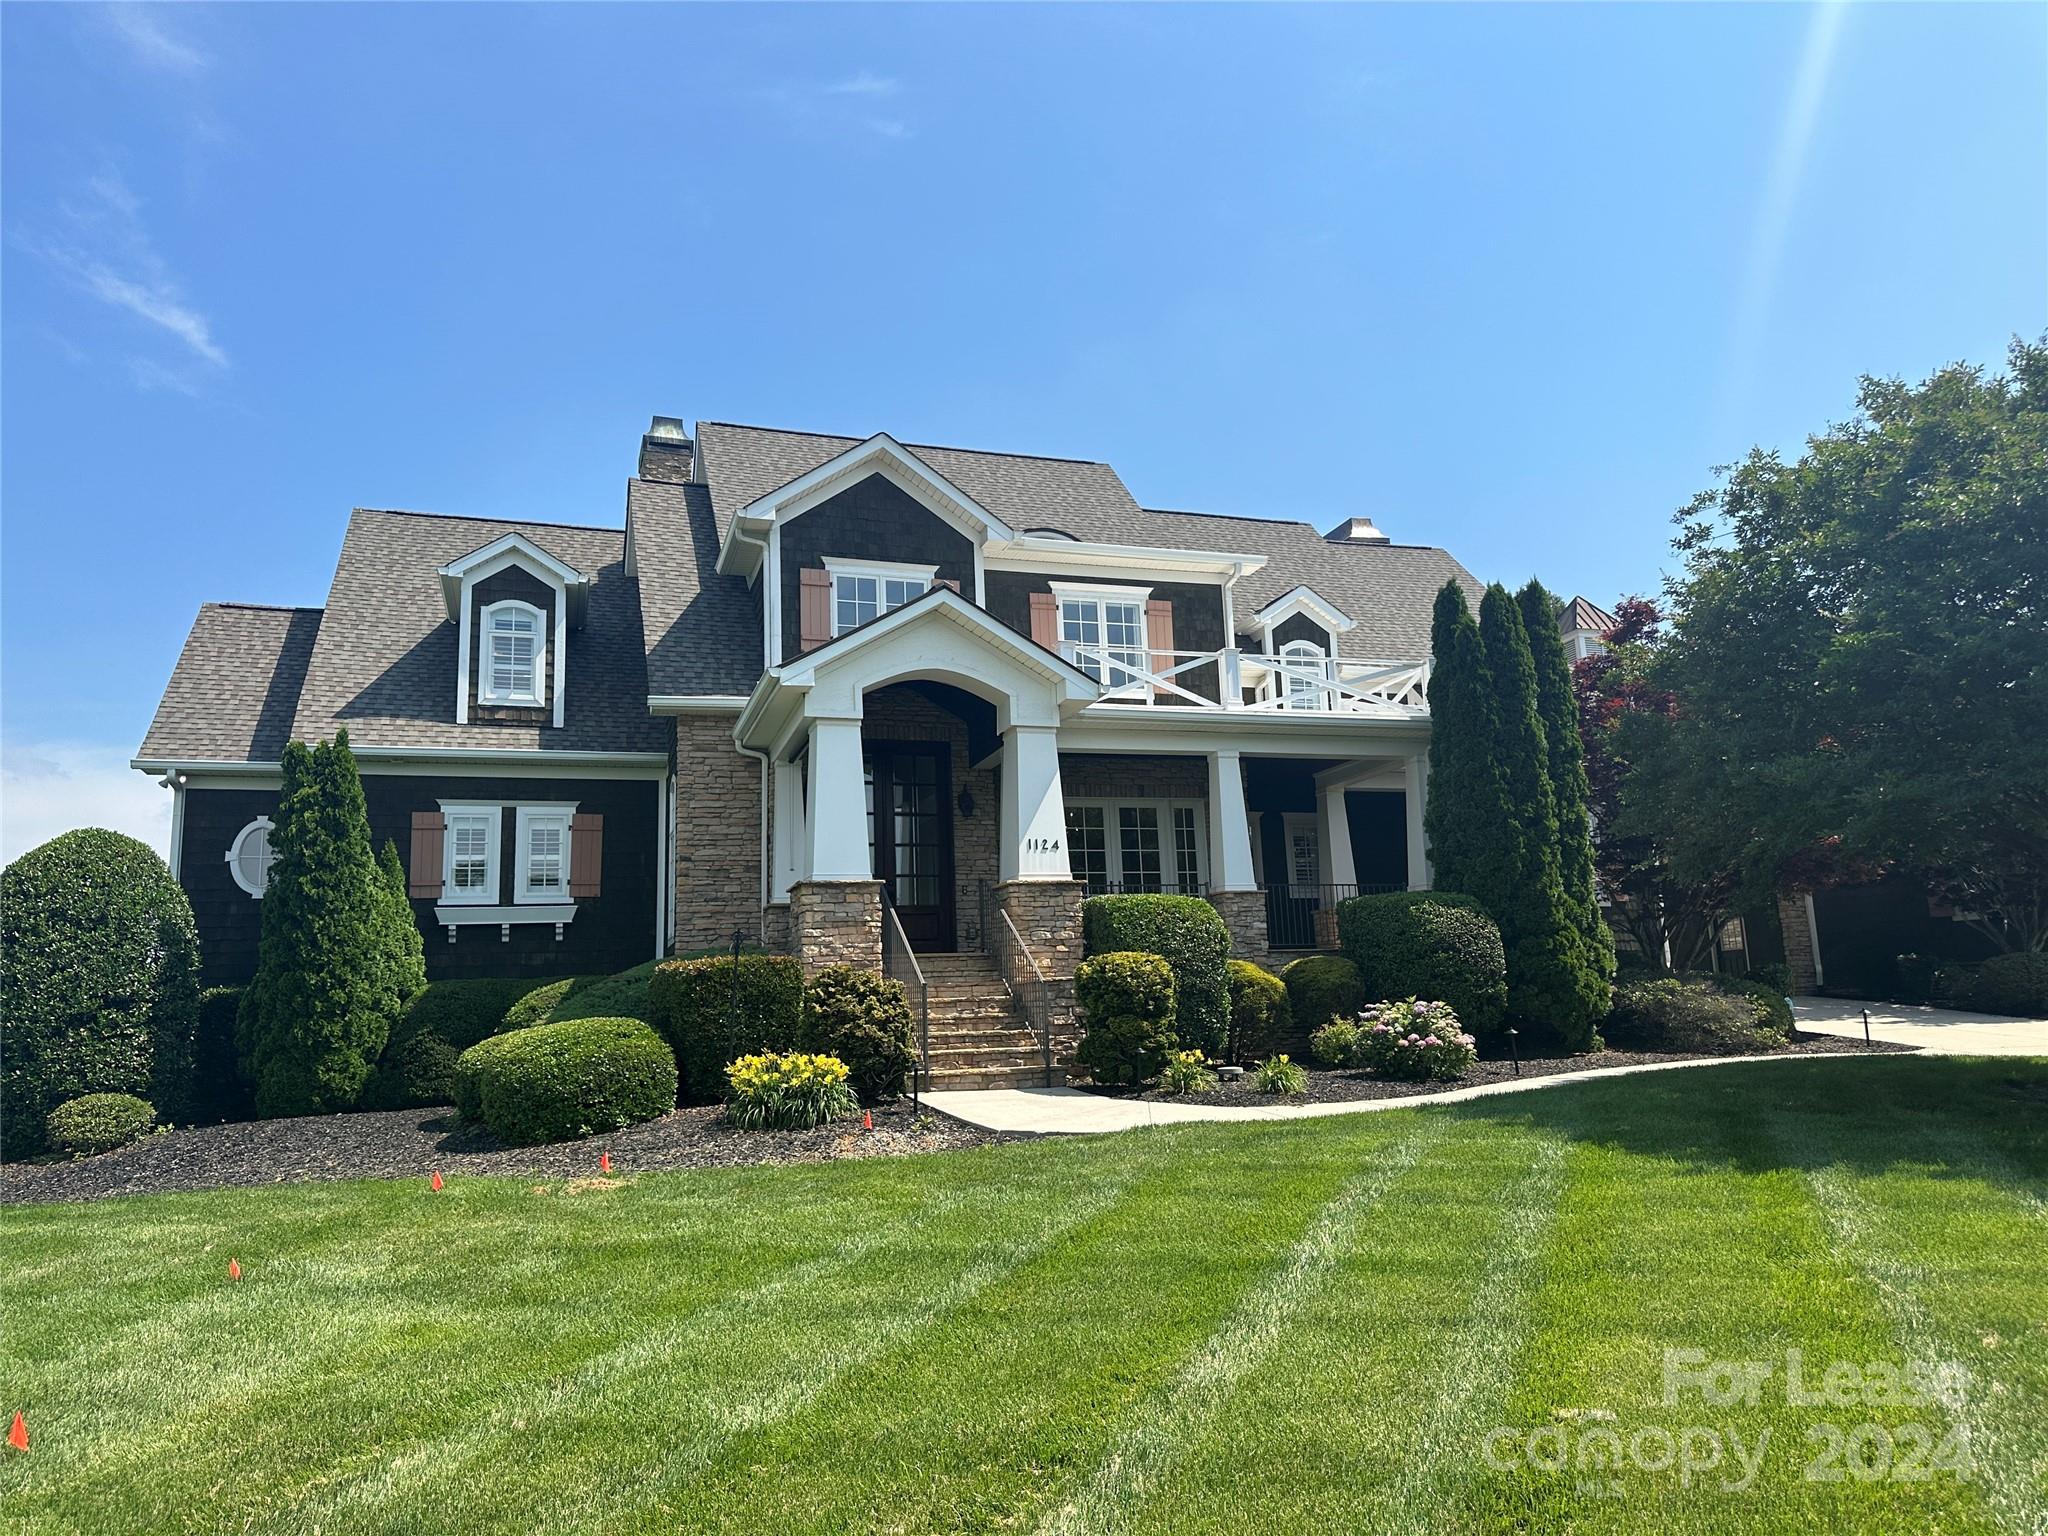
[1102, 632]
[470, 877]
[543, 842]
[513, 647]
[863, 592]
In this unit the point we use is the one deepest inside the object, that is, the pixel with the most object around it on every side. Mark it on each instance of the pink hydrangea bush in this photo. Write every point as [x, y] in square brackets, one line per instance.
[1415, 1040]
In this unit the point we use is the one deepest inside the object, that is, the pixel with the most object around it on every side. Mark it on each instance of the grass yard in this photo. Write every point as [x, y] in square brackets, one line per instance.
[1310, 1326]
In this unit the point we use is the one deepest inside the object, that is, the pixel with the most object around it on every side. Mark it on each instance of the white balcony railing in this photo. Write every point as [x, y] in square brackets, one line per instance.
[1248, 683]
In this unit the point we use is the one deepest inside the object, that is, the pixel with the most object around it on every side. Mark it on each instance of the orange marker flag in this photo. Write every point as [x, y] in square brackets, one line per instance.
[18, 1435]
[234, 1270]
[867, 1119]
[435, 1181]
[604, 1162]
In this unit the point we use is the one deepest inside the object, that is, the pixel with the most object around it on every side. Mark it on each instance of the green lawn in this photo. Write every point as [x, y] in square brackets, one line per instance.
[1301, 1327]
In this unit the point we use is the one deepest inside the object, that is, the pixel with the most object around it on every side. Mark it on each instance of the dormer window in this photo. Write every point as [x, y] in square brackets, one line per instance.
[514, 642]
[1306, 669]
[864, 592]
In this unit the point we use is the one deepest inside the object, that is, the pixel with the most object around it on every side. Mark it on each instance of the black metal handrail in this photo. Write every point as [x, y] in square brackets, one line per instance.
[898, 956]
[1291, 909]
[1037, 1012]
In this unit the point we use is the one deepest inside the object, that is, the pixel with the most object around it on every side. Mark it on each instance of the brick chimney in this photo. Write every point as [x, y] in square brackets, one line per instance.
[665, 451]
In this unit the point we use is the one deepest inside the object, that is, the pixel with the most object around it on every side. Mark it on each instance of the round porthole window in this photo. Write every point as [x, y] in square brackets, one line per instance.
[250, 857]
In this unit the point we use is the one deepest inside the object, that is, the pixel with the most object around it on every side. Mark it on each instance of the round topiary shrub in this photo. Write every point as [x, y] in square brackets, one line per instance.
[1127, 1003]
[787, 1091]
[476, 1008]
[414, 1073]
[863, 1020]
[2013, 983]
[99, 980]
[1260, 1014]
[1321, 988]
[1192, 938]
[556, 1082]
[715, 1009]
[1429, 944]
[99, 1122]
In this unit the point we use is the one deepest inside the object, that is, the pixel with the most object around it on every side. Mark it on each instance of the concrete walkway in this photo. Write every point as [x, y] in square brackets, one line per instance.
[1943, 1030]
[1070, 1112]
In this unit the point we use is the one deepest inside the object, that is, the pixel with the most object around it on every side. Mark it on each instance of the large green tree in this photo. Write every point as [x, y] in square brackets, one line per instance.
[1558, 709]
[325, 992]
[1860, 653]
[1554, 987]
[1466, 816]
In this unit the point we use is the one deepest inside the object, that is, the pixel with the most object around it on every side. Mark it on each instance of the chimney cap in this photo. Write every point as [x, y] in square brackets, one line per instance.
[670, 427]
[1357, 530]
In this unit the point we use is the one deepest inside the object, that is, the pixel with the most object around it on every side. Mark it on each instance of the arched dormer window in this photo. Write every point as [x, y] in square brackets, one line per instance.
[1306, 667]
[515, 645]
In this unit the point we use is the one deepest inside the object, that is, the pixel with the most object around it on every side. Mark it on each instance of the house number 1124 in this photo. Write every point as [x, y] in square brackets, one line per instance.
[1041, 845]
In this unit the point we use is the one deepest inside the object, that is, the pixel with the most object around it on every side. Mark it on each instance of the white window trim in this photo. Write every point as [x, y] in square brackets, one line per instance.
[524, 894]
[1291, 674]
[488, 896]
[1169, 868]
[485, 693]
[1296, 824]
[234, 856]
[1095, 595]
[881, 570]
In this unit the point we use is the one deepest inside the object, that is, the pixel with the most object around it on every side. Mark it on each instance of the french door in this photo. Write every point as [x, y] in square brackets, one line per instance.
[910, 838]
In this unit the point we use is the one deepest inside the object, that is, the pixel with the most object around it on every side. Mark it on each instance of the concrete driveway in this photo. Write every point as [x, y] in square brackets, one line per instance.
[1932, 1029]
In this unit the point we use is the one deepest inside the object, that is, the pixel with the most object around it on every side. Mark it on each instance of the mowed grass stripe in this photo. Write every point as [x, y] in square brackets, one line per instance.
[1168, 1421]
[737, 1383]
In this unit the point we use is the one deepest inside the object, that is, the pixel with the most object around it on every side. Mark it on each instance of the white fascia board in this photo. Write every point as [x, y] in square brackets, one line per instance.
[879, 453]
[744, 549]
[696, 703]
[939, 602]
[500, 554]
[1137, 728]
[1305, 600]
[1042, 554]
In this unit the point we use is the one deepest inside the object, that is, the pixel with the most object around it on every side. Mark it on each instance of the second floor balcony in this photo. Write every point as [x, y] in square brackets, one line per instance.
[1234, 680]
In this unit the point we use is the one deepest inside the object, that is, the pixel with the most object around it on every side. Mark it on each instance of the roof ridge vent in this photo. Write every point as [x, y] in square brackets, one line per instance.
[1357, 530]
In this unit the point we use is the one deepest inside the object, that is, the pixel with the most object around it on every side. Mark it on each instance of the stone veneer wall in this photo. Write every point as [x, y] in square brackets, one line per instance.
[1047, 914]
[718, 835]
[1244, 914]
[837, 922]
[1799, 956]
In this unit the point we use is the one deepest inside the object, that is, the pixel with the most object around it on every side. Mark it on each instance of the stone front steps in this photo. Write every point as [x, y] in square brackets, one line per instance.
[980, 1037]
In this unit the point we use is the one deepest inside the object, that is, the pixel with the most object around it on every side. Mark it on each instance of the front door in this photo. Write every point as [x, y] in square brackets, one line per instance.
[910, 837]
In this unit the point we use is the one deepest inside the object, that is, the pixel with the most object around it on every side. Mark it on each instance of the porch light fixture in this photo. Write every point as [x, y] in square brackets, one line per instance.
[966, 804]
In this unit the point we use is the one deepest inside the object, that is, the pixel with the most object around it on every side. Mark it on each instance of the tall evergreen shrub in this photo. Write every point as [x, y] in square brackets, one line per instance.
[1554, 988]
[1558, 709]
[1466, 817]
[325, 993]
[406, 947]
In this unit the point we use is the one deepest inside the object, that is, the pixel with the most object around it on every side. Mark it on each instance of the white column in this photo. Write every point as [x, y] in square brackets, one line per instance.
[1420, 877]
[1339, 868]
[839, 808]
[1034, 820]
[791, 839]
[1230, 836]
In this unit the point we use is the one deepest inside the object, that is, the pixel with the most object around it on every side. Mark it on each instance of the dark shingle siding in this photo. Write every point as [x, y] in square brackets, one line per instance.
[236, 686]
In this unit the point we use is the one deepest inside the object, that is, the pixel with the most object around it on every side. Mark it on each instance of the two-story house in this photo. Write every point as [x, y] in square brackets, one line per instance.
[860, 700]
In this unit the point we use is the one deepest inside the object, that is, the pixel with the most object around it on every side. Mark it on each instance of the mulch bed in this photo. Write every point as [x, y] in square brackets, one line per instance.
[413, 1143]
[1327, 1087]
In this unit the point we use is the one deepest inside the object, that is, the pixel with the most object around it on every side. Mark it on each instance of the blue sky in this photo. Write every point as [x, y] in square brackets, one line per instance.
[1510, 280]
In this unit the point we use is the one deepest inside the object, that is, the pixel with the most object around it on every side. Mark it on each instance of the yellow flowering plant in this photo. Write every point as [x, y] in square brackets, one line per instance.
[788, 1091]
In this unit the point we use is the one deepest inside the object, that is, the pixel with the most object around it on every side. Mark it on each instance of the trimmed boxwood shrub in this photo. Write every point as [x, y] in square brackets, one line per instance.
[1191, 936]
[99, 980]
[2013, 983]
[1260, 1016]
[863, 1020]
[465, 1012]
[620, 996]
[219, 1091]
[556, 1082]
[413, 1074]
[1321, 988]
[714, 1010]
[1127, 1011]
[99, 1122]
[1435, 944]
[1336, 1043]
[1668, 1014]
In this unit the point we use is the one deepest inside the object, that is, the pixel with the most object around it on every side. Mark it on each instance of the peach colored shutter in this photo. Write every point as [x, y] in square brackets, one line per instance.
[586, 856]
[423, 874]
[1045, 620]
[814, 608]
[1159, 633]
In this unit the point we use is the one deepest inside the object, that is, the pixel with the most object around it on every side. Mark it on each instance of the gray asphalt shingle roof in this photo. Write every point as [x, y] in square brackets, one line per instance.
[702, 630]
[236, 685]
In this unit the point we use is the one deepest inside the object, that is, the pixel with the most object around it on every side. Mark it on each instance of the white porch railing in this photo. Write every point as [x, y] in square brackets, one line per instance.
[1249, 683]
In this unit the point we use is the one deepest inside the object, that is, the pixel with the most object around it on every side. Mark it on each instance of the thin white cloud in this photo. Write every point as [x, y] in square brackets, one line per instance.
[143, 31]
[52, 787]
[107, 252]
[866, 83]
